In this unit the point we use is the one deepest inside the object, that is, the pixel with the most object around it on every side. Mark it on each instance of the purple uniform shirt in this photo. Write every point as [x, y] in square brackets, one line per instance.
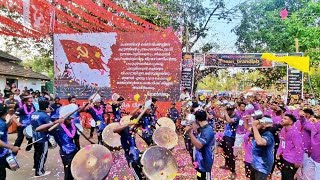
[305, 133]
[315, 140]
[241, 114]
[247, 145]
[290, 146]
[276, 119]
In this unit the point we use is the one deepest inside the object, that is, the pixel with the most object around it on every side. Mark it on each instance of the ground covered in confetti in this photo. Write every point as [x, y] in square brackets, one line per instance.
[120, 169]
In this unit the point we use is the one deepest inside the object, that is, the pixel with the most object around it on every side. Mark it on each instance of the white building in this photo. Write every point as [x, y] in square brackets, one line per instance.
[12, 72]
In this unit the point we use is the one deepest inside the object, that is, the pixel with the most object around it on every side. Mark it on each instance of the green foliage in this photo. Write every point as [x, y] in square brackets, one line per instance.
[224, 81]
[262, 30]
[41, 64]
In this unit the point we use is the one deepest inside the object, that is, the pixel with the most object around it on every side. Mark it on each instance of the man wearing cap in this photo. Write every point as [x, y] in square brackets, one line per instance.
[97, 113]
[66, 137]
[5, 147]
[116, 108]
[39, 118]
[232, 120]
[262, 148]
[290, 151]
[203, 151]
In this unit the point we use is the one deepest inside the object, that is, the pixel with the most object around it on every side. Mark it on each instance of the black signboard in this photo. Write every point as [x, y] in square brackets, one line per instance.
[187, 71]
[295, 82]
[236, 60]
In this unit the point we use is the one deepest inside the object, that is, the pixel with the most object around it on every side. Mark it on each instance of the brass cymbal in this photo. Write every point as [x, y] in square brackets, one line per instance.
[165, 137]
[91, 162]
[159, 164]
[166, 122]
[109, 137]
[141, 144]
[125, 120]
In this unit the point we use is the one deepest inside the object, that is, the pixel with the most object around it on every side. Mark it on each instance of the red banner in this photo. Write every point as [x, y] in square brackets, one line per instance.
[38, 14]
[131, 64]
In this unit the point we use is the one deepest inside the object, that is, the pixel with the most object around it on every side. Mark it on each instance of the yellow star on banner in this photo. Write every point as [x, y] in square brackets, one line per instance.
[98, 55]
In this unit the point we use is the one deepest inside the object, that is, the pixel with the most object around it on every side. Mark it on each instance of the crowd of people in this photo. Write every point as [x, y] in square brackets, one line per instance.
[272, 135]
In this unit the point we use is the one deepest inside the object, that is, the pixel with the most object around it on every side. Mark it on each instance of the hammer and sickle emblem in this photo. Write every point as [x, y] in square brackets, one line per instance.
[82, 52]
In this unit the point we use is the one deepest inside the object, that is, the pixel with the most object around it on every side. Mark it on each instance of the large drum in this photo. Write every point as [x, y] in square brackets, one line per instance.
[165, 137]
[27, 132]
[125, 120]
[67, 110]
[91, 162]
[166, 122]
[111, 139]
[159, 164]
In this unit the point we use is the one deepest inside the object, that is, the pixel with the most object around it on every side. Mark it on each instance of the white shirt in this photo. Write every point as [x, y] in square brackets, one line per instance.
[184, 96]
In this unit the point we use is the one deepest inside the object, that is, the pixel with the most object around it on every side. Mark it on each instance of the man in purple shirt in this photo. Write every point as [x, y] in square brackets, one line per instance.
[290, 151]
[301, 124]
[312, 170]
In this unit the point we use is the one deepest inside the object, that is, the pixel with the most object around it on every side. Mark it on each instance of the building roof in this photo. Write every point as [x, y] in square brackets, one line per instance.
[4, 55]
[14, 69]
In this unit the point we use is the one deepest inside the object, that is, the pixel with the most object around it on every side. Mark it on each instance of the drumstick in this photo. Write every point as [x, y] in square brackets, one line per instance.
[34, 142]
[56, 125]
[84, 136]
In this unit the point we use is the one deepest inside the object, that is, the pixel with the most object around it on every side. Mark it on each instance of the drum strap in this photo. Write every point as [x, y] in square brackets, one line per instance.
[84, 135]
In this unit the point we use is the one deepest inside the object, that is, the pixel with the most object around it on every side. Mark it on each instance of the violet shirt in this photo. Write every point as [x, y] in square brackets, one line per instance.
[315, 140]
[290, 146]
[305, 133]
[247, 145]
[241, 114]
[276, 119]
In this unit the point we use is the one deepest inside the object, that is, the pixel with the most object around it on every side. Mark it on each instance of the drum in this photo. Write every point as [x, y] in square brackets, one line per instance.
[53, 143]
[66, 110]
[12, 161]
[91, 162]
[125, 120]
[92, 123]
[79, 128]
[27, 132]
[165, 137]
[111, 139]
[141, 144]
[166, 122]
[159, 163]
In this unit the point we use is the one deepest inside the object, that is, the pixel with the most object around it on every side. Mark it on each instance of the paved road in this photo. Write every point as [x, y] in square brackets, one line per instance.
[119, 170]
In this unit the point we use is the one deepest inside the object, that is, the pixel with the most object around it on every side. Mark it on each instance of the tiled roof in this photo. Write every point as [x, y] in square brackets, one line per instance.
[15, 69]
[4, 55]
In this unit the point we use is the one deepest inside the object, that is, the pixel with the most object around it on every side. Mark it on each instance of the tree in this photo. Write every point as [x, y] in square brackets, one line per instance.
[262, 30]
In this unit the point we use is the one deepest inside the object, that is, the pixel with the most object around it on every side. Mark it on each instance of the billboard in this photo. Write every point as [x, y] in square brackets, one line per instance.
[187, 71]
[237, 60]
[129, 64]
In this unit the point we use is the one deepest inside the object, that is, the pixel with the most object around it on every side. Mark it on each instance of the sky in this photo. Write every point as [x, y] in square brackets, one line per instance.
[220, 30]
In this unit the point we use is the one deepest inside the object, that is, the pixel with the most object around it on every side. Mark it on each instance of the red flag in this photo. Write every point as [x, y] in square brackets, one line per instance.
[83, 53]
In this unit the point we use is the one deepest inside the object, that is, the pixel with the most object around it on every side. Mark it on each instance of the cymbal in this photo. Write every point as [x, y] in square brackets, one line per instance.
[159, 163]
[165, 137]
[91, 162]
[166, 122]
[109, 137]
[141, 144]
[125, 120]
